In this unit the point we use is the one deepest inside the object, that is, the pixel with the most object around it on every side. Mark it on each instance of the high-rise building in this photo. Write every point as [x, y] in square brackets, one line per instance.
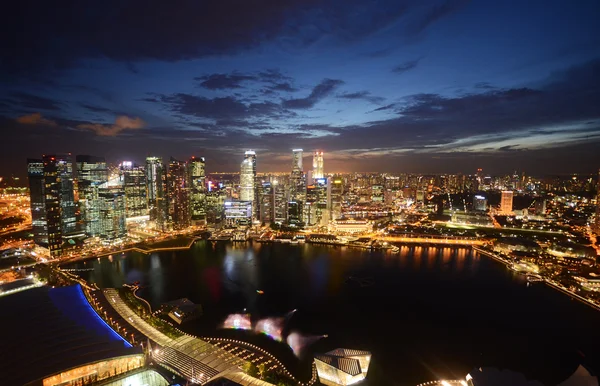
[540, 206]
[506, 202]
[377, 193]
[238, 213]
[248, 191]
[112, 210]
[316, 208]
[61, 208]
[297, 155]
[479, 203]
[266, 202]
[133, 178]
[155, 180]
[280, 199]
[336, 197]
[297, 180]
[318, 171]
[91, 173]
[35, 172]
[178, 194]
[197, 190]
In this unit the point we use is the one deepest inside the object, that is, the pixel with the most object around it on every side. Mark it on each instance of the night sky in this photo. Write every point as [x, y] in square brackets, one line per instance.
[378, 85]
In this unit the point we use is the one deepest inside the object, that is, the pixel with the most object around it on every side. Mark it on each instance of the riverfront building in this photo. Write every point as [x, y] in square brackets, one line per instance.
[342, 366]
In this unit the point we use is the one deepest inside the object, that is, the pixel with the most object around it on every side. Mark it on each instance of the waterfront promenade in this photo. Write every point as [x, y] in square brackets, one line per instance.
[196, 360]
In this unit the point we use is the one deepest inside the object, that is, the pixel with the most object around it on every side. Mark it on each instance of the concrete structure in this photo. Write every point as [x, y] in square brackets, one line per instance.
[238, 213]
[342, 366]
[506, 202]
[351, 226]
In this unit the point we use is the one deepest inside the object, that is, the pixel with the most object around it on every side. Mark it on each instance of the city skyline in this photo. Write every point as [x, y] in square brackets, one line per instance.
[406, 86]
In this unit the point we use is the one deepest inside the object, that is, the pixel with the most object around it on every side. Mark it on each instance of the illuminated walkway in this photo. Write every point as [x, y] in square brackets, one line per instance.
[193, 358]
[431, 240]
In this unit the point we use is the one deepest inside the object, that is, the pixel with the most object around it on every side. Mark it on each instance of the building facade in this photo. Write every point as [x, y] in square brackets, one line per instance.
[197, 190]
[155, 180]
[506, 202]
[35, 173]
[318, 170]
[133, 178]
[59, 196]
[248, 191]
[91, 173]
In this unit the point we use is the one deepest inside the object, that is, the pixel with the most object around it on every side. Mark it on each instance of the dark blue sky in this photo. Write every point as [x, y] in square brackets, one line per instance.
[403, 86]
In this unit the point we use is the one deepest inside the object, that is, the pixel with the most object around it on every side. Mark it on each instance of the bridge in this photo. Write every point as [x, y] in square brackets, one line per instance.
[195, 359]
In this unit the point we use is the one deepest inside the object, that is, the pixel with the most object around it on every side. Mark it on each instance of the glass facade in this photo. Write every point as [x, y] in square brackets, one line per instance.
[91, 173]
[178, 194]
[35, 172]
[155, 180]
[197, 182]
[133, 178]
[95, 372]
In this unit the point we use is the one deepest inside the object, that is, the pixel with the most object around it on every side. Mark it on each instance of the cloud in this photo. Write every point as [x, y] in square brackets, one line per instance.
[364, 95]
[122, 123]
[30, 101]
[437, 12]
[319, 92]
[35, 119]
[406, 66]
[96, 109]
[224, 81]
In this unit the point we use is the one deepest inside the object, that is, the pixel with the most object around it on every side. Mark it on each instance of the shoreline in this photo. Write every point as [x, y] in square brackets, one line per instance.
[550, 283]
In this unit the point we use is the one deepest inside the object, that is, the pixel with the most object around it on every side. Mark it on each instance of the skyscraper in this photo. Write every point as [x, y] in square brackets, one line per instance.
[35, 172]
[61, 210]
[318, 171]
[178, 194]
[91, 173]
[266, 202]
[155, 180]
[197, 190]
[506, 202]
[335, 198]
[112, 212]
[297, 155]
[248, 191]
[133, 178]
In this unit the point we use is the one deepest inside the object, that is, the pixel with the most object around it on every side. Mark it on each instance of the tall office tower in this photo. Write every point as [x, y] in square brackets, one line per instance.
[266, 201]
[598, 205]
[61, 208]
[91, 173]
[479, 203]
[294, 213]
[155, 180]
[506, 202]
[318, 171]
[297, 179]
[336, 197]
[133, 179]
[316, 207]
[35, 172]
[112, 210]
[280, 199]
[248, 191]
[197, 189]
[178, 194]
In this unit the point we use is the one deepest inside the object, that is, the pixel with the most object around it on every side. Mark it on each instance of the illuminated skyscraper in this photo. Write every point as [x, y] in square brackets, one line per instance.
[335, 197]
[155, 180]
[112, 211]
[266, 201]
[506, 202]
[133, 178]
[197, 190]
[35, 172]
[91, 173]
[248, 191]
[318, 171]
[297, 155]
[280, 200]
[178, 194]
[61, 208]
